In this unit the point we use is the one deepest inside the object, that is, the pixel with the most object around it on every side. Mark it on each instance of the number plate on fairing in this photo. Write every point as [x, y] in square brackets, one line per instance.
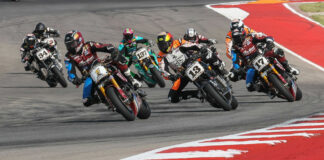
[43, 54]
[194, 71]
[176, 59]
[142, 54]
[98, 72]
[260, 62]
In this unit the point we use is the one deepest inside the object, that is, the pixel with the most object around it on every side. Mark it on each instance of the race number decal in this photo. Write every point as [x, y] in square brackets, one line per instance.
[142, 54]
[42, 54]
[194, 71]
[260, 62]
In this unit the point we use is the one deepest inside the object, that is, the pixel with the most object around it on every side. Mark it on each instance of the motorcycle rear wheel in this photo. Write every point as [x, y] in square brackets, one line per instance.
[299, 94]
[280, 86]
[234, 103]
[145, 111]
[51, 84]
[125, 111]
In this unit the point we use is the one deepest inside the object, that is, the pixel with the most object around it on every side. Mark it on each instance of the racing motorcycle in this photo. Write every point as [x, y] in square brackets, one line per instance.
[47, 66]
[147, 66]
[113, 89]
[212, 85]
[273, 77]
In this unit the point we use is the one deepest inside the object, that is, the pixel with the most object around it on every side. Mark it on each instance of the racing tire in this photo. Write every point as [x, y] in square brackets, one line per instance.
[280, 86]
[51, 84]
[121, 108]
[59, 77]
[299, 94]
[234, 103]
[157, 76]
[217, 99]
[145, 111]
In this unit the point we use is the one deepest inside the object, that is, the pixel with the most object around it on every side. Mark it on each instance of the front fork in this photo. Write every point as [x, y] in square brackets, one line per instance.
[135, 104]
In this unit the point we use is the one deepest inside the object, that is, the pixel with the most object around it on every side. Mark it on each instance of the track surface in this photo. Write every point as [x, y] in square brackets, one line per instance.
[37, 122]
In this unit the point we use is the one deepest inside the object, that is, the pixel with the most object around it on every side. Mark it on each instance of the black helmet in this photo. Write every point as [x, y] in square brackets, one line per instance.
[238, 36]
[30, 40]
[39, 29]
[74, 41]
[165, 42]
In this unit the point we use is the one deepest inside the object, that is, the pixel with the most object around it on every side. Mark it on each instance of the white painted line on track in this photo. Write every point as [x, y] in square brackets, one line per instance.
[301, 15]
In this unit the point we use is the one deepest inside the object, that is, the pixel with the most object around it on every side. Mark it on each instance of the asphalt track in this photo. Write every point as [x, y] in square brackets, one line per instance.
[37, 122]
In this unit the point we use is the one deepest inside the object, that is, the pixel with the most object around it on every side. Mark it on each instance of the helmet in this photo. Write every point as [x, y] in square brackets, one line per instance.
[165, 42]
[39, 29]
[238, 36]
[30, 40]
[237, 24]
[128, 35]
[190, 35]
[74, 41]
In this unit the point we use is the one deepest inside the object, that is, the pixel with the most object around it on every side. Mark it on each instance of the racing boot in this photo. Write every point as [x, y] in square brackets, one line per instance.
[90, 101]
[292, 70]
[134, 81]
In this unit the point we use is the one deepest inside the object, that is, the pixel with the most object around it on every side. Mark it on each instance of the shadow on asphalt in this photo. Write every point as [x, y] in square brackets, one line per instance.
[274, 101]
[256, 95]
[95, 121]
[184, 111]
[24, 87]
[17, 73]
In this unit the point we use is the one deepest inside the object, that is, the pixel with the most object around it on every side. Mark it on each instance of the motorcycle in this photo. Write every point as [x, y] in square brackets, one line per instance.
[48, 67]
[212, 86]
[147, 67]
[273, 77]
[113, 89]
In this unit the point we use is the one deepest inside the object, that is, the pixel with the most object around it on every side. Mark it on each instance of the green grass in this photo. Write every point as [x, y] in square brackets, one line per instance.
[319, 18]
[312, 7]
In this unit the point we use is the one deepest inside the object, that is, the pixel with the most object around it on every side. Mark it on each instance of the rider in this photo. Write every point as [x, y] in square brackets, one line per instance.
[26, 48]
[242, 45]
[82, 54]
[129, 43]
[230, 53]
[192, 36]
[41, 32]
[166, 44]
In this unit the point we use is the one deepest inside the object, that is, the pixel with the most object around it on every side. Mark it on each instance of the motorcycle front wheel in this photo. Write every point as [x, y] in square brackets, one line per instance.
[59, 77]
[157, 76]
[121, 108]
[215, 99]
[280, 86]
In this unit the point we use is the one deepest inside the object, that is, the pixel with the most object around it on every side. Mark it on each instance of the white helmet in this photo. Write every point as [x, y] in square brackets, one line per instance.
[237, 24]
[190, 35]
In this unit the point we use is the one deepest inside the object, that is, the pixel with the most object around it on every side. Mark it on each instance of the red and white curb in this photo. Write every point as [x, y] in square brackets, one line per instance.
[249, 145]
[298, 24]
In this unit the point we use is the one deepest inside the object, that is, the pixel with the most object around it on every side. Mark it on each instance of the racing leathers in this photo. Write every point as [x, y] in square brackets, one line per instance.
[199, 39]
[248, 47]
[49, 32]
[126, 48]
[83, 61]
[236, 59]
